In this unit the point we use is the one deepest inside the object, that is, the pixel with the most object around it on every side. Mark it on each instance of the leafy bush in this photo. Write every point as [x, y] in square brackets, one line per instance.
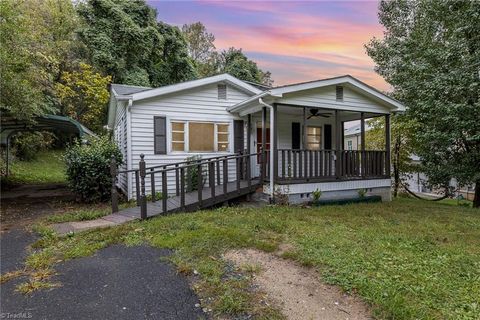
[26, 145]
[316, 196]
[88, 168]
[191, 177]
[362, 193]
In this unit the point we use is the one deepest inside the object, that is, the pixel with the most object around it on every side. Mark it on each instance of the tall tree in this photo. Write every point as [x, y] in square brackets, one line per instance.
[200, 42]
[175, 65]
[37, 38]
[124, 40]
[430, 53]
[236, 63]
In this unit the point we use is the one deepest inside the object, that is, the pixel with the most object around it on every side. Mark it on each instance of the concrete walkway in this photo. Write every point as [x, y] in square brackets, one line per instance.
[111, 220]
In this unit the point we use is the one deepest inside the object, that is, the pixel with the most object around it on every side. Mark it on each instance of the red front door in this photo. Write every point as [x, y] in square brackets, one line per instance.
[259, 142]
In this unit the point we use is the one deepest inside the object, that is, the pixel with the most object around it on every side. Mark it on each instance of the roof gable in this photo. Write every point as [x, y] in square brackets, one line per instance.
[353, 83]
[196, 83]
[346, 79]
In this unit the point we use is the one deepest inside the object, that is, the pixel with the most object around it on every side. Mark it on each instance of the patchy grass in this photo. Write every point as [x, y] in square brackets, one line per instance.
[79, 215]
[457, 202]
[48, 167]
[408, 259]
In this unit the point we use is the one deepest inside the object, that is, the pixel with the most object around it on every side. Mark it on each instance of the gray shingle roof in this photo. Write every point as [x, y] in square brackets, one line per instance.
[123, 89]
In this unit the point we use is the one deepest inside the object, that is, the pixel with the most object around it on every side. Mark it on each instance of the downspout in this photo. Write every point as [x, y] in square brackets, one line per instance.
[272, 143]
[129, 149]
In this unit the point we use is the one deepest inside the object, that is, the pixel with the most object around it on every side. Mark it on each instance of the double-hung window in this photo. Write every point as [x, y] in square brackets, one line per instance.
[314, 138]
[197, 136]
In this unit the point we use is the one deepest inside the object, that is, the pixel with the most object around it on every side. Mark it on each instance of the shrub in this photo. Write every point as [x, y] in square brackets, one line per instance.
[191, 177]
[362, 193]
[316, 196]
[88, 168]
[26, 145]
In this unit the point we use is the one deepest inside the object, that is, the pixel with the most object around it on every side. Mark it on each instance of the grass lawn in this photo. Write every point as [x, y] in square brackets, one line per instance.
[48, 167]
[408, 259]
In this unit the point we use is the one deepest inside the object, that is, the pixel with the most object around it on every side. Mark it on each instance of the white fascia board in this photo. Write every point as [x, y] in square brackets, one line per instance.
[394, 104]
[251, 101]
[193, 84]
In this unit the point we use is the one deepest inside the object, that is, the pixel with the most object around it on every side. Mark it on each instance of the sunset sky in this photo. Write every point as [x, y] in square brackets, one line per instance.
[294, 40]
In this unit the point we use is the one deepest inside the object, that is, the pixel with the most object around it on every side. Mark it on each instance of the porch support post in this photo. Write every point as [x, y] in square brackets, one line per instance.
[273, 146]
[343, 135]
[387, 145]
[338, 134]
[362, 142]
[264, 143]
[249, 134]
[304, 136]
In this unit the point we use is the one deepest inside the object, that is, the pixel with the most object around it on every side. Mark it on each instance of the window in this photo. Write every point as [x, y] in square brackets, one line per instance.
[339, 93]
[349, 144]
[178, 136]
[222, 137]
[190, 136]
[314, 138]
[222, 92]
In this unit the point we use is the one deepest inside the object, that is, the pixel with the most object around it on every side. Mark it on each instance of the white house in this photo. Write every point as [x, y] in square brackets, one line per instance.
[352, 137]
[291, 133]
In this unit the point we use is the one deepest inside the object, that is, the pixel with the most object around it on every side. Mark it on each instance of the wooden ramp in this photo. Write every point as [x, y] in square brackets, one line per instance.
[192, 202]
[214, 184]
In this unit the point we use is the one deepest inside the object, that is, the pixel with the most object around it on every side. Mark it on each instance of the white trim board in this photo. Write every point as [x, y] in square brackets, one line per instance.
[333, 186]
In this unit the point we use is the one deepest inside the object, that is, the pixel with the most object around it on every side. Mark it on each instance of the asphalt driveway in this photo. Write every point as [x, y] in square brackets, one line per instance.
[118, 282]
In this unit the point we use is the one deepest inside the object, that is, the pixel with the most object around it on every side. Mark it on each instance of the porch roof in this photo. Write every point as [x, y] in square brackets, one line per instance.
[277, 93]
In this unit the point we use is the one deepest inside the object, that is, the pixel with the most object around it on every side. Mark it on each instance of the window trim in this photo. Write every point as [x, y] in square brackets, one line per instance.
[187, 134]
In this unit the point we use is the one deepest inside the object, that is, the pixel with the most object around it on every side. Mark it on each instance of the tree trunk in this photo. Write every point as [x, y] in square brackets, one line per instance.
[476, 198]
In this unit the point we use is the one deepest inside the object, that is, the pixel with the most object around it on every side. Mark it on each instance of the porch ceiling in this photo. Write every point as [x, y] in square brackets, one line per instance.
[344, 115]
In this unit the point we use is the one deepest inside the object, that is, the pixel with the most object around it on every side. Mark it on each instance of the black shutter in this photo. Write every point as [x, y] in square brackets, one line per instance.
[238, 136]
[296, 135]
[160, 135]
[328, 136]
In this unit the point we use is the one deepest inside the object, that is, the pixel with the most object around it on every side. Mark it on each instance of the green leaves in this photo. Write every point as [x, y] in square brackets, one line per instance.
[88, 168]
[430, 54]
[124, 40]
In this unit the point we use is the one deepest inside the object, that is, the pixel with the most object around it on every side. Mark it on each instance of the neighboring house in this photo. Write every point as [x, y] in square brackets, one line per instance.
[417, 182]
[352, 137]
[222, 115]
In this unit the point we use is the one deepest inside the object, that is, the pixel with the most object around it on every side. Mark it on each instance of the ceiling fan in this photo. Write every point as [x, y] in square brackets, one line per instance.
[314, 114]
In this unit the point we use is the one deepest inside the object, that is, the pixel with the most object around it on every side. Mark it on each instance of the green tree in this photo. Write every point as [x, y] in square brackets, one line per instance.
[124, 40]
[430, 54]
[37, 44]
[200, 42]
[83, 95]
[175, 65]
[22, 78]
[236, 63]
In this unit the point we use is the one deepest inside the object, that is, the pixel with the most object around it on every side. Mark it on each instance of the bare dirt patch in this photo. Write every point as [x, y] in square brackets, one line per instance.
[297, 290]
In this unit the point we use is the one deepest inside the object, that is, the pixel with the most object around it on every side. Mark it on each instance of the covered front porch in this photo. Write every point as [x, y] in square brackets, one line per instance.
[299, 135]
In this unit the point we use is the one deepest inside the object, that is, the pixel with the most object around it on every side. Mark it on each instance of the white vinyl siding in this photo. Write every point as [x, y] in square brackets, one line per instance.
[199, 104]
[326, 98]
[120, 137]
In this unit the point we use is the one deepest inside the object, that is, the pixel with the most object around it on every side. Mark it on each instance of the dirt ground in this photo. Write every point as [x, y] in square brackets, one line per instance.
[22, 205]
[298, 291]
